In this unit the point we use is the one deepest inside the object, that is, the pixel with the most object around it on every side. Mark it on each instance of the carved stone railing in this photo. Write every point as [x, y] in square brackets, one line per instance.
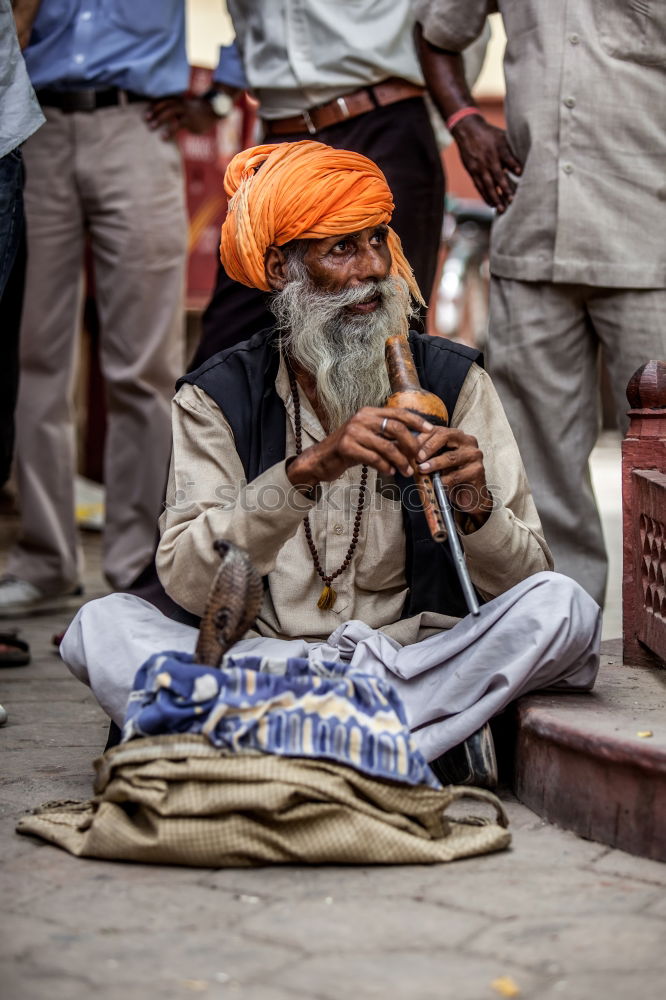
[644, 518]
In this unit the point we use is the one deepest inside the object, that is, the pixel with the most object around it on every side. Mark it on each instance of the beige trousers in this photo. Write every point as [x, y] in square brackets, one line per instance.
[107, 174]
[543, 356]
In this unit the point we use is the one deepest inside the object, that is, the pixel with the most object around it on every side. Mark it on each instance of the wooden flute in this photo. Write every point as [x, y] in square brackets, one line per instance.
[407, 392]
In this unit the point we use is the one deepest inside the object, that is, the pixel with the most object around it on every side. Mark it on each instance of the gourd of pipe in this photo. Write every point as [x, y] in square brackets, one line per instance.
[406, 392]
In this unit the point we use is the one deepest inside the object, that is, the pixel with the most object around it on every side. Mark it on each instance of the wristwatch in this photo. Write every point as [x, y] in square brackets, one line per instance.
[220, 102]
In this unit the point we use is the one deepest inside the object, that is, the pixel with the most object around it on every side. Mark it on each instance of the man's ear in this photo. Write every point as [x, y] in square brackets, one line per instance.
[275, 264]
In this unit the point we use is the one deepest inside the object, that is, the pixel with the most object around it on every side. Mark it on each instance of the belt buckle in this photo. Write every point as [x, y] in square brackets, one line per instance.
[310, 125]
[344, 109]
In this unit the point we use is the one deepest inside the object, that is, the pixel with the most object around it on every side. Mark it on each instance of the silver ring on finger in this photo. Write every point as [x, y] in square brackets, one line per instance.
[383, 427]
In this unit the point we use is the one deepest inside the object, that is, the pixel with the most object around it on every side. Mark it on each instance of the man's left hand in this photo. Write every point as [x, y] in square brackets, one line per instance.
[462, 472]
[174, 113]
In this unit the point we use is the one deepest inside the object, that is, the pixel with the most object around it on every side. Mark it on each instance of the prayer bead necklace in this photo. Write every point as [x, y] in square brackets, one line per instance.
[328, 595]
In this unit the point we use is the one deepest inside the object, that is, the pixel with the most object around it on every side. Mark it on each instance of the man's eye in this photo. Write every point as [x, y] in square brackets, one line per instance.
[340, 247]
[379, 236]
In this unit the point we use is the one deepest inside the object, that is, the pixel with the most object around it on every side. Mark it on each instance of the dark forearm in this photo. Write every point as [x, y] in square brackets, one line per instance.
[484, 149]
[444, 74]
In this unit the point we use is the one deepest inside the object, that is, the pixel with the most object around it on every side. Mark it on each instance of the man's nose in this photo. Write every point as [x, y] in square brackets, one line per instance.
[371, 264]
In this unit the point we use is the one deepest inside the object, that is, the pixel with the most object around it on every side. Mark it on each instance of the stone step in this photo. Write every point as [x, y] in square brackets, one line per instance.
[580, 761]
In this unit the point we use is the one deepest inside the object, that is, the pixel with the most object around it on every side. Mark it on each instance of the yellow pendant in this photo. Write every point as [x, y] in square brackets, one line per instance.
[326, 598]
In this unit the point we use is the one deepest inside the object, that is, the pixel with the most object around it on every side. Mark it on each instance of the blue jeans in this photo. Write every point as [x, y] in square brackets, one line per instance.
[12, 274]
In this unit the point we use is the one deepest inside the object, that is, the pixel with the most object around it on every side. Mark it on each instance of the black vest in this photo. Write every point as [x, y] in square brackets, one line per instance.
[241, 380]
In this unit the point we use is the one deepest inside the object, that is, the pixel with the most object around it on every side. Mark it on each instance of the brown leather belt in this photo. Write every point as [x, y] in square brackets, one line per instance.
[345, 107]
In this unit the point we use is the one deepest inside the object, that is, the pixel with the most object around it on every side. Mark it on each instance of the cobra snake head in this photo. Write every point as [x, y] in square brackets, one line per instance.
[233, 604]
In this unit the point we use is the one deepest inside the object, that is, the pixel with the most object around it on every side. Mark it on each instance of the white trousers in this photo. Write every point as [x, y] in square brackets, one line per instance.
[544, 632]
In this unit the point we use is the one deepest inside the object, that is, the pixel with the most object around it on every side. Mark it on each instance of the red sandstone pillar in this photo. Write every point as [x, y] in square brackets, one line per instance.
[644, 518]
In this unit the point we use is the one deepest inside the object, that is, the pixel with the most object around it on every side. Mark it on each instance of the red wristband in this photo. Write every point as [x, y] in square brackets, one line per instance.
[458, 116]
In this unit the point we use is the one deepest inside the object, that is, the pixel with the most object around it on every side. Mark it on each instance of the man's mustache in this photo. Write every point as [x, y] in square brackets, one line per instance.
[359, 294]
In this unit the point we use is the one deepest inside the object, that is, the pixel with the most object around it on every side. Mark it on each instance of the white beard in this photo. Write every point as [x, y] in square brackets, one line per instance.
[342, 352]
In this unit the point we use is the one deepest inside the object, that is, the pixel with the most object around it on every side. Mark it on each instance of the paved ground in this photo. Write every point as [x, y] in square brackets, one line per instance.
[553, 917]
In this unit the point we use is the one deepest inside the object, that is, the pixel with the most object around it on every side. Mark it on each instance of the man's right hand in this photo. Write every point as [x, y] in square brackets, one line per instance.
[361, 441]
[170, 114]
[487, 156]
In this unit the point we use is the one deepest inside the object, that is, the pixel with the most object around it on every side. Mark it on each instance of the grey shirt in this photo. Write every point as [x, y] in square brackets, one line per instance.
[298, 54]
[20, 114]
[586, 114]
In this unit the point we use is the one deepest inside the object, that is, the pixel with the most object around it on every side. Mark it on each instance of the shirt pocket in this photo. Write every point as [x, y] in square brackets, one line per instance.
[145, 17]
[634, 30]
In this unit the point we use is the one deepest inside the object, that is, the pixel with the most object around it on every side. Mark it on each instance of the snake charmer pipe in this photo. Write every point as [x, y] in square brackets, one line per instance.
[234, 600]
[407, 392]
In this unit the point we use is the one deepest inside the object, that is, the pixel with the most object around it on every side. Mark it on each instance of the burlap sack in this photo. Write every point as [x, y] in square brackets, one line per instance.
[177, 800]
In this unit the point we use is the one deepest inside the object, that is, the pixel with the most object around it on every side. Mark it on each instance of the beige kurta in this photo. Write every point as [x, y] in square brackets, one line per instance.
[207, 499]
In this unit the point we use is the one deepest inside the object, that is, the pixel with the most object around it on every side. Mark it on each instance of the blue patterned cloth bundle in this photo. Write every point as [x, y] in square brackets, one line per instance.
[293, 707]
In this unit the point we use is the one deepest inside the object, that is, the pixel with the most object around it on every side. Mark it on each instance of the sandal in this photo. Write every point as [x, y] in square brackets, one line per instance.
[14, 652]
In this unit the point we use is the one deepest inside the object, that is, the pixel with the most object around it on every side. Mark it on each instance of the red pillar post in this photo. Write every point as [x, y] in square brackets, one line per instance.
[644, 518]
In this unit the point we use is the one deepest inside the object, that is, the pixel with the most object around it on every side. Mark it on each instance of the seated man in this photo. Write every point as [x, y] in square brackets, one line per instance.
[284, 446]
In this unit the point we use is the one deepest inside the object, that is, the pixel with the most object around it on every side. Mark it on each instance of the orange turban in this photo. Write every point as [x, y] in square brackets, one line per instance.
[301, 190]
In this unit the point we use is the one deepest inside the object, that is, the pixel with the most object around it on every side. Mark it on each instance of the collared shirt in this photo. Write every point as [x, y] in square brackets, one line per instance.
[586, 115]
[136, 45]
[205, 502]
[301, 53]
[230, 68]
[20, 114]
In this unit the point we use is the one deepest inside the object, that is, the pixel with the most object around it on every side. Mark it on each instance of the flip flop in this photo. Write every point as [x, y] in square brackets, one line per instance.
[18, 653]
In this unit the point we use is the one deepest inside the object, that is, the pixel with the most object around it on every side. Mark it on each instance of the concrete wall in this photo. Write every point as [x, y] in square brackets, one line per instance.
[208, 27]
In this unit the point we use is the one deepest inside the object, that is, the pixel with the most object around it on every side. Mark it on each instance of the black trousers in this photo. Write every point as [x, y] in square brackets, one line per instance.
[11, 307]
[400, 140]
[12, 281]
